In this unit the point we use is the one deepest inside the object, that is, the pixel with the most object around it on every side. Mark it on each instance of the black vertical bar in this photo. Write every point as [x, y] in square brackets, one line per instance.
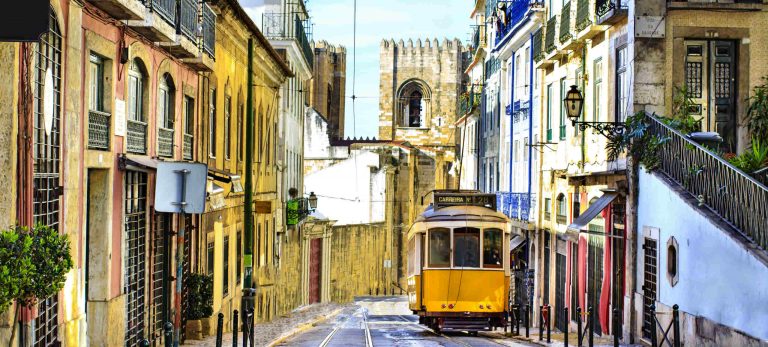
[219, 328]
[541, 322]
[244, 325]
[591, 325]
[653, 325]
[549, 324]
[676, 324]
[234, 328]
[565, 333]
[527, 321]
[252, 321]
[578, 325]
[616, 331]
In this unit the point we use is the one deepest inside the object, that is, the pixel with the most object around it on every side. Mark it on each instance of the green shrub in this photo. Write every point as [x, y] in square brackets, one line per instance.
[754, 159]
[200, 296]
[757, 112]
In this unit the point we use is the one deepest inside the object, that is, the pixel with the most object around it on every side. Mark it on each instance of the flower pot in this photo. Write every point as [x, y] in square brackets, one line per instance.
[194, 329]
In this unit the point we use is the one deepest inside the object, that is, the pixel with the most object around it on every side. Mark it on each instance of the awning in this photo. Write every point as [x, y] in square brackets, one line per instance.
[136, 162]
[215, 197]
[237, 186]
[220, 175]
[592, 211]
[515, 242]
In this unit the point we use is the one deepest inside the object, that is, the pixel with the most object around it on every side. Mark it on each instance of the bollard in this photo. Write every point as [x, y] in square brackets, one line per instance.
[565, 333]
[591, 326]
[253, 326]
[579, 332]
[168, 332]
[506, 321]
[234, 328]
[616, 332]
[245, 328]
[541, 322]
[549, 324]
[653, 325]
[219, 328]
[676, 324]
[527, 321]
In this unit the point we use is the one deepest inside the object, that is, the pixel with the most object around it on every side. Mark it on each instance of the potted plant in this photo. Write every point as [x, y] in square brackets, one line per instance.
[757, 113]
[200, 296]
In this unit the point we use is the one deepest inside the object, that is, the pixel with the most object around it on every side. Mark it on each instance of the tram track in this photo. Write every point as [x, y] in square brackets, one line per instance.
[453, 338]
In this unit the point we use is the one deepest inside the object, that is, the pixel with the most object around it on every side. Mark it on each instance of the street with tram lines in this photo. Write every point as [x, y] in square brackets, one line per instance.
[386, 321]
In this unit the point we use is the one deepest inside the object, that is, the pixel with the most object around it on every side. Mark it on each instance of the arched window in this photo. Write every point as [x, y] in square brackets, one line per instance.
[561, 209]
[165, 115]
[46, 156]
[413, 104]
[137, 107]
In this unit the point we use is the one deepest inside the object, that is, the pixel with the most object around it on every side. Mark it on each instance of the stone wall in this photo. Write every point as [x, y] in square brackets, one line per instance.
[328, 89]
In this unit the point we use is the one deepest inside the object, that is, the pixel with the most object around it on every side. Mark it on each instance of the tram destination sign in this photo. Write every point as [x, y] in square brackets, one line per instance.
[445, 199]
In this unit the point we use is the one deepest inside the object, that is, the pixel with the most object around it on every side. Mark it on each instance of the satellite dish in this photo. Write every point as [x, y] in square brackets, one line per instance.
[48, 101]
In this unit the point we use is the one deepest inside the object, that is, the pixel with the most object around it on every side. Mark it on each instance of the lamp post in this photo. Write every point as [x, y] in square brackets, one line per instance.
[312, 201]
[574, 102]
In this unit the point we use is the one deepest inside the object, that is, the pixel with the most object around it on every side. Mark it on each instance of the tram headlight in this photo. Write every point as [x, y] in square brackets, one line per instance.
[450, 306]
[443, 306]
[488, 306]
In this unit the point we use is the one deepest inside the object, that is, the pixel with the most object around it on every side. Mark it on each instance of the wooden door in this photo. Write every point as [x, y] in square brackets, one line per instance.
[315, 269]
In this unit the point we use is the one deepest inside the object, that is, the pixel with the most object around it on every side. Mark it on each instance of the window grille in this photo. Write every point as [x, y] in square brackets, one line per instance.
[649, 284]
[134, 256]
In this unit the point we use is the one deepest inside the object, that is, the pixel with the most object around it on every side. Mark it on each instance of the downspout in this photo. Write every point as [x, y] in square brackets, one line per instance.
[530, 150]
[511, 123]
[481, 138]
[583, 138]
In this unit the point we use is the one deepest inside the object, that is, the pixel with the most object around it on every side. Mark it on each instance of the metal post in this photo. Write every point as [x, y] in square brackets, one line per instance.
[527, 321]
[578, 325]
[676, 324]
[541, 322]
[180, 259]
[549, 324]
[565, 333]
[168, 332]
[253, 325]
[234, 328]
[245, 328]
[219, 328]
[248, 204]
[616, 330]
[591, 327]
[653, 325]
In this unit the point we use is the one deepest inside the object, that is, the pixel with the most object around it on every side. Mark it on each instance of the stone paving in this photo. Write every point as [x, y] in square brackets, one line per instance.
[267, 332]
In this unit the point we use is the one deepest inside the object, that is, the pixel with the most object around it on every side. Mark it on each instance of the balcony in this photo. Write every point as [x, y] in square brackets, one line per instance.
[732, 194]
[610, 12]
[98, 130]
[514, 13]
[561, 219]
[297, 210]
[159, 21]
[122, 9]
[469, 102]
[288, 26]
[520, 110]
[585, 20]
[185, 43]
[478, 38]
[538, 47]
[565, 23]
[729, 5]
[204, 59]
[188, 144]
[165, 142]
[137, 137]
[516, 205]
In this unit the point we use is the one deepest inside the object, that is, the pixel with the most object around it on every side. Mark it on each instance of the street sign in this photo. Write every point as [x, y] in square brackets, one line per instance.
[446, 199]
[262, 207]
[171, 190]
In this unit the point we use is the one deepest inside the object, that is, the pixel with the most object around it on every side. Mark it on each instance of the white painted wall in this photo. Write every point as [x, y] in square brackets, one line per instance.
[349, 192]
[718, 278]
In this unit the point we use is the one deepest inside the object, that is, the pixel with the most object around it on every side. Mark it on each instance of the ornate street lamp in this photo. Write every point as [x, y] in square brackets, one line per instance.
[574, 102]
[312, 201]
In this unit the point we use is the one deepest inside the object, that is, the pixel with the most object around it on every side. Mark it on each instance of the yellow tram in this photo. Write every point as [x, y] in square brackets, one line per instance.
[458, 263]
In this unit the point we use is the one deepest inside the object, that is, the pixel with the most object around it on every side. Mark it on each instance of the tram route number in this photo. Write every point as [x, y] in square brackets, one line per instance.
[483, 200]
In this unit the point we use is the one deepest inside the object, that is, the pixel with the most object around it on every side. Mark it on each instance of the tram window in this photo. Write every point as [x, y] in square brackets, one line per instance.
[439, 247]
[492, 248]
[466, 251]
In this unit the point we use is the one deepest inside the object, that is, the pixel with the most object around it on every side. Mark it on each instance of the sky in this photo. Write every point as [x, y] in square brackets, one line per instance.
[377, 20]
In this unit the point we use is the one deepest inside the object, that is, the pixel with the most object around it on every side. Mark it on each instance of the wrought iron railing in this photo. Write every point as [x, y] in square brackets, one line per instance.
[166, 9]
[98, 130]
[209, 30]
[538, 52]
[297, 210]
[516, 205]
[583, 19]
[165, 142]
[288, 26]
[727, 191]
[549, 41]
[188, 19]
[565, 23]
[475, 44]
[471, 102]
[137, 137]
[188, 142]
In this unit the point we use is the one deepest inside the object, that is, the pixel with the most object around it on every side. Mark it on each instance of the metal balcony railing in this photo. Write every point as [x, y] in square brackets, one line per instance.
[538, 52]
[565, 23]
[188, 142]
[513, 13]
[166, 9]
[98, 130]
[583, 18]
[281, 26]
[297, 210]
[516, 205]
[476, 29]
[165, 142]
[469, 104]
[137, 137]
[549, 41]
[729, 192]
[209, 30]
[188, 19]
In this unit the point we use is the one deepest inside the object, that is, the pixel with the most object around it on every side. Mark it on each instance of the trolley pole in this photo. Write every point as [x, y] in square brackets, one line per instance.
[180, 259]
[248, 293]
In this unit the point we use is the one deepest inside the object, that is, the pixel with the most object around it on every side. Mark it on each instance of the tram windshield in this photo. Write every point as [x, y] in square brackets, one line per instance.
[466, 252]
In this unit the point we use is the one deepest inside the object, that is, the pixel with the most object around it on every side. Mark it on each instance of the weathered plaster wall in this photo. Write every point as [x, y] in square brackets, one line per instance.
[357, 259]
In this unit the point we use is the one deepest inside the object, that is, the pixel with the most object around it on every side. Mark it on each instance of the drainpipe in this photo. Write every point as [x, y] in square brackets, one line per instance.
[583, 73]
[248, 210]
[511, 123]
[530, 152]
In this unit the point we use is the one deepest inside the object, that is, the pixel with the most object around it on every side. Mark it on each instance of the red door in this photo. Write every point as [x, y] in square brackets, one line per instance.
[315, 263]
